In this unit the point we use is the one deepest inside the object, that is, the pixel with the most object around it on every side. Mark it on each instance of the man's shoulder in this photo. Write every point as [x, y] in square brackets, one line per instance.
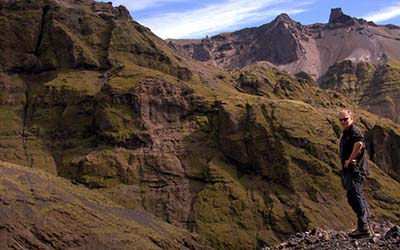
[355, 130]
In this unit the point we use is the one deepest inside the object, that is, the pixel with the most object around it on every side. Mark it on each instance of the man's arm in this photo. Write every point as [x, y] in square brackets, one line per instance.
[356, 150]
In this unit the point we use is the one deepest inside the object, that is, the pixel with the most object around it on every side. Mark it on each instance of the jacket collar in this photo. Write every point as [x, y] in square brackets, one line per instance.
[349, 127]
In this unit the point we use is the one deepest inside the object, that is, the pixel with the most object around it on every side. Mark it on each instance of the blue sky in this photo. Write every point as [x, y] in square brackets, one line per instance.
[196, 19]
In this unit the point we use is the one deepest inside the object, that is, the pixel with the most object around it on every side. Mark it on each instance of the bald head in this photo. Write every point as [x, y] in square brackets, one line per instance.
[346, 112]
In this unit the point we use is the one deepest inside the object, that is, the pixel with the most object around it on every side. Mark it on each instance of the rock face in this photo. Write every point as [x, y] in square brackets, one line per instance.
[337, 16]
[388, 157]
[293, 47]
[107, 105]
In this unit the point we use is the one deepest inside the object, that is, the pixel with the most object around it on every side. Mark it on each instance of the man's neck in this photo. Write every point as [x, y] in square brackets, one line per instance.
[347, 128]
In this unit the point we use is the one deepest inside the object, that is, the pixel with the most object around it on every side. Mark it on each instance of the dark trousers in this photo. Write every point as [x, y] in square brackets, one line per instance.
[354, 185]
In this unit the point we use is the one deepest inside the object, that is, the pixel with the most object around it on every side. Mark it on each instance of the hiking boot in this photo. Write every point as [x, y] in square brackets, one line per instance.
[371, 230]
[360, 233]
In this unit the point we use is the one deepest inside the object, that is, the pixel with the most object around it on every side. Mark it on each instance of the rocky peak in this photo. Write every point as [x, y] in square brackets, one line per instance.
[108, 11]
[282, 24]
[337, 16]
[124, 12]
[284, 19]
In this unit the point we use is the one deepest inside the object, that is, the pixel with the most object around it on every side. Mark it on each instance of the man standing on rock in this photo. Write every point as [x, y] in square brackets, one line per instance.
[355, 168]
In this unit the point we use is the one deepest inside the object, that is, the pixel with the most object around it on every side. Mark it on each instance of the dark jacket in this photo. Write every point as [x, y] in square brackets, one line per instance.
[349, 137]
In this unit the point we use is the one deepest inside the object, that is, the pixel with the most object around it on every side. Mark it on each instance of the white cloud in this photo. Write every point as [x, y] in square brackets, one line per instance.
[218, 16]
[384, 14]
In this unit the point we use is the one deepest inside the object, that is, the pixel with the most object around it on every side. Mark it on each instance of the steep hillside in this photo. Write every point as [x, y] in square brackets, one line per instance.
[105, 103]
[41, 211]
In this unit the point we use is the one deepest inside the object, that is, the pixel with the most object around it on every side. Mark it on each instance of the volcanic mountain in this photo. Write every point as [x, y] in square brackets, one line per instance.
[111, 140]
[294, 47]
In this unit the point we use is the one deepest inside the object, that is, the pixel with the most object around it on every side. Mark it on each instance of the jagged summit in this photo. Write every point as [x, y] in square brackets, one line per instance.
[283, 18]
[107, 10]
[337, 16]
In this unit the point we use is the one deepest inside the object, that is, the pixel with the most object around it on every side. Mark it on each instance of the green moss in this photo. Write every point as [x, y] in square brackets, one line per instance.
[121, 122]
[131, 42]
[11, 149]
[224, 209]
[15, 21]
[393, 64]
[98, 181]
[40, 155]
[83, 82]
[11, 118]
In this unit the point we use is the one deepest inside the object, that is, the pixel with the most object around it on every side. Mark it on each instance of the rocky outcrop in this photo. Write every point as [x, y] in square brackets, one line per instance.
[384, 146]
[107, 11]
[337, 16]
[134, 137]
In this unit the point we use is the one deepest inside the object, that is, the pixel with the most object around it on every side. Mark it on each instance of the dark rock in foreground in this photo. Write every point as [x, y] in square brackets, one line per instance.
[386, 236]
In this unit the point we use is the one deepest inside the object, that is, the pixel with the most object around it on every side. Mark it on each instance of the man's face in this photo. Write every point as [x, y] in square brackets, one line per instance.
[345, 120]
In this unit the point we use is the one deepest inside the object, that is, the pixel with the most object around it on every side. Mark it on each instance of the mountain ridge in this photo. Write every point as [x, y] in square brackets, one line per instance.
[309, 44]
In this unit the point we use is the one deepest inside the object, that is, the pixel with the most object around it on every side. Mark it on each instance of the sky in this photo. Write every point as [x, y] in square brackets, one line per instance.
[198, 19]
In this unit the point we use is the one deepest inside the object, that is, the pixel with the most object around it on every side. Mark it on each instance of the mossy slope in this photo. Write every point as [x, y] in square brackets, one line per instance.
[43, 211]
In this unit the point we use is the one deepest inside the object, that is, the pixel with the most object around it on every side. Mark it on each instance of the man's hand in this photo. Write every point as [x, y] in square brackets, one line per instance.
[356, 150]
[346, 163]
